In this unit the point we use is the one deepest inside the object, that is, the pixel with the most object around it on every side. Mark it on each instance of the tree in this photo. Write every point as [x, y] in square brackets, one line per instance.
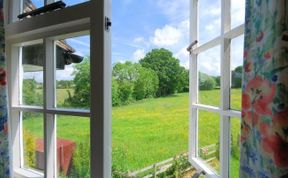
[237, 77]
[167, 68]
[206, 82]
[30, 94]
[183, 85]
[134, 81]
[146, 84]
[81, 97]
[115, 93]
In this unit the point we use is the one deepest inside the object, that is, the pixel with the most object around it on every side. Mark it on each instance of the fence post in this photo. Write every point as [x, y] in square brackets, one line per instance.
[155, 171]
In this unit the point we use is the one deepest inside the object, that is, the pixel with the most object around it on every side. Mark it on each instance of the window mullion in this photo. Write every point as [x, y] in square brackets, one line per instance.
[193, 78]
[225, 88]
[13, 53]
[101, 106]
[49, 102]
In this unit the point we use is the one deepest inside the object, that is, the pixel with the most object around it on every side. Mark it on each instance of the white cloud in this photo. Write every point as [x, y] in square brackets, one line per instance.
[166, 36]
[138, 54]
[209, 61]
[183, 56]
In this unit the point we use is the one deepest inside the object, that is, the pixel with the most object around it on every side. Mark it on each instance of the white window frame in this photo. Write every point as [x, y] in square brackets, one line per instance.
[90, 17]
[224, 40]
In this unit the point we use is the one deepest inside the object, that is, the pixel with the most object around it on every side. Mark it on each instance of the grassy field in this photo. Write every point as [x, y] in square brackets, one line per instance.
[150, 130]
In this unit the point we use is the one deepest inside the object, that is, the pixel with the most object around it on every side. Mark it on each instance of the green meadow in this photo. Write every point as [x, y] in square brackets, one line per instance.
[150, 130]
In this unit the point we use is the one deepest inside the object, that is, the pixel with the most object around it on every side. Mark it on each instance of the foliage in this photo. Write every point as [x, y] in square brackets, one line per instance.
[29, 148]
[237, 77]
[217, 80]
[167, 68]
[183, 85]
[30, 94]
[146, 84]
[64, 84]
[206, 82]
[81, 97]
[81, 160]
[115, 93]
[134, 82]
[179, 165]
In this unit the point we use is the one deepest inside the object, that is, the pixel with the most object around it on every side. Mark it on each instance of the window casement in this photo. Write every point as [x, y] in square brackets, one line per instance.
[223, 114]
[44, 34]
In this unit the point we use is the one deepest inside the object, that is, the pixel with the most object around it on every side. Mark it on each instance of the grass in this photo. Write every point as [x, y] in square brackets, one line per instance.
[150, 130]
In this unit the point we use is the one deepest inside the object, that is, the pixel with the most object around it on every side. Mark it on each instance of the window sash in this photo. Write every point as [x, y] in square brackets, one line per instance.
[224, 40]
[49, 27]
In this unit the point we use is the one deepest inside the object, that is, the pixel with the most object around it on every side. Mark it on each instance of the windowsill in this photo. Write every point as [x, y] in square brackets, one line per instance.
[27, 173]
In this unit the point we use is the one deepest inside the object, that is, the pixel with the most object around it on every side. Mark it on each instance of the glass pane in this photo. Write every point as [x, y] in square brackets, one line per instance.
[33, 144]
[209, 76]
[29, 5]
[73, 72]
[73, 2]
[209, 139]
[237, 12]
[235, 147]
[32, 67]
[209, 20]
[237, 45]
[73, 146]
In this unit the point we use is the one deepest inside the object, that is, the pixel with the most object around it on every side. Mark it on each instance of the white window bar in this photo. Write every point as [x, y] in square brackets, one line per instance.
[224, 40]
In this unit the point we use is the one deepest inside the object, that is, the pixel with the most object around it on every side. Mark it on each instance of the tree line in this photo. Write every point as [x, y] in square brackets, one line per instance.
[158, 74]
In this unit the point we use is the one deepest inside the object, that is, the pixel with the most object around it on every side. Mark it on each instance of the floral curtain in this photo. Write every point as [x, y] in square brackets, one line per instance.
[264, 138]
[4, 149]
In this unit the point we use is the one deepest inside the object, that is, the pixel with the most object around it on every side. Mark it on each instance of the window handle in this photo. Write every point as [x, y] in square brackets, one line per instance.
[189, 48]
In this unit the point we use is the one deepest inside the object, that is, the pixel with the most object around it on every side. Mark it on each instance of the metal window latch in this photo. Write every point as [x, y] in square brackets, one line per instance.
[189, 48]
[108, 24]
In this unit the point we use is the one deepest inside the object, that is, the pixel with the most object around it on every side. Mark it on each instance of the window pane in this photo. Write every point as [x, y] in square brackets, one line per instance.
[209, 20]
[235, 147]
[237, 12]
[73, 2]
[209, 139]
[29, 5]
[33, 144]
[73, 146]
[237, 45]
[209, 76]
[32, 67]
[73, 72]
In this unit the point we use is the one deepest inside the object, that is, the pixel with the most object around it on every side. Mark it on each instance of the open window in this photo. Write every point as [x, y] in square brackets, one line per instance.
[43, 53]
[219, 30]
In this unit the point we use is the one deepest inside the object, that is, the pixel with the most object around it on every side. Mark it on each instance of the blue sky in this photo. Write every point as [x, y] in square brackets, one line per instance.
[138, 26]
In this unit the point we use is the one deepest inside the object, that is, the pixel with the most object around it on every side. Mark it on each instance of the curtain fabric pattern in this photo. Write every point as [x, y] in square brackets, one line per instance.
[4, 149]
[264, 138]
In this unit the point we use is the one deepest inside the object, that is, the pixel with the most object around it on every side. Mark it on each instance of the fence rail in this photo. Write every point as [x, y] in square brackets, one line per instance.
[154, 169]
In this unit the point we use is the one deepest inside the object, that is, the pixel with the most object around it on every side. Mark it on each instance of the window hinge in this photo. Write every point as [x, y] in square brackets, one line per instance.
[108, 24]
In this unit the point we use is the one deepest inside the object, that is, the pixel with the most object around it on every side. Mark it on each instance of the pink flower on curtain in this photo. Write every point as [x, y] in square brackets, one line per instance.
[258, 96]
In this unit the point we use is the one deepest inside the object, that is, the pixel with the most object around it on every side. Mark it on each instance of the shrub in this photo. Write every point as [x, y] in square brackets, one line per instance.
[81, 160]
[115, 93]
[29, 149]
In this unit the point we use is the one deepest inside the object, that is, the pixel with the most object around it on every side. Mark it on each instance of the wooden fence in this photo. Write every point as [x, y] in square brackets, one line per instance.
[207, 153]
[155, 169]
